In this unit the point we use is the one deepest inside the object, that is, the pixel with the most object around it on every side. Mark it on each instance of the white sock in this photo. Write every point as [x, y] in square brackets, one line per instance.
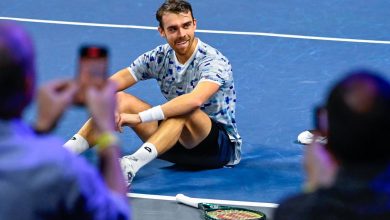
[146, 153]
[77, 144]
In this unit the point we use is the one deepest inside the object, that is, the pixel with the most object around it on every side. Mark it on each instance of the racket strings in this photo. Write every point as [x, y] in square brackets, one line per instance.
[233, 214]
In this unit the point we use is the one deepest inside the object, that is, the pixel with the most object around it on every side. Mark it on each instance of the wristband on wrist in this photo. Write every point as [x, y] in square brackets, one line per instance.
[106, 140]
[153, 114]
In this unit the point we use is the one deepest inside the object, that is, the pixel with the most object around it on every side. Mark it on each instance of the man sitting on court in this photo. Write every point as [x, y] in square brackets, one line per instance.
[196, 126]
[349, 177]
[39, 179]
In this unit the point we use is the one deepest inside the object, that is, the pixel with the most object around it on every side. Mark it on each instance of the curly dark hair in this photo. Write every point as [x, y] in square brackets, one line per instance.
[173, 6]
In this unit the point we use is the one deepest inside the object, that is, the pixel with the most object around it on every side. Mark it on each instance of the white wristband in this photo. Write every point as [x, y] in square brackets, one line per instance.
[152, 114]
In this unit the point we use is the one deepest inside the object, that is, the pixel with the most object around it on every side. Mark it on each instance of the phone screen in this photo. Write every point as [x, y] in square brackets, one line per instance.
[92, 69]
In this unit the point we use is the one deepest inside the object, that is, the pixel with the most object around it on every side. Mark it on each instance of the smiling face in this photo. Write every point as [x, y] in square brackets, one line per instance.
[179, 31]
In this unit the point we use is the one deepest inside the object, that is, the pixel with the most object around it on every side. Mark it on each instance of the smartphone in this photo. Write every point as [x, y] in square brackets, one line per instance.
[92, 69]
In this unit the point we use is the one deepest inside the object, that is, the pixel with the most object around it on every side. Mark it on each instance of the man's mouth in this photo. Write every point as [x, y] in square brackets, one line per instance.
[182, 43]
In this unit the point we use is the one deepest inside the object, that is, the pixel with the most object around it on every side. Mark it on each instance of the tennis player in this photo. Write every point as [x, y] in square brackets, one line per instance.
[196, 126]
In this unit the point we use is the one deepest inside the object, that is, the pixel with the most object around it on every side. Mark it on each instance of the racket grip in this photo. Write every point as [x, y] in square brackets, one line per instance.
[180, 198]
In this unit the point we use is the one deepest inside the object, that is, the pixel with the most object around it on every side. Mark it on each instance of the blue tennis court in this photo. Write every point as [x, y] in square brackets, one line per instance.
[285, 55]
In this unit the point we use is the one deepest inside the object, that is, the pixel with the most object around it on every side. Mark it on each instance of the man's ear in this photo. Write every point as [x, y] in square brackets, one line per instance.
[194, 23]
[161, 31]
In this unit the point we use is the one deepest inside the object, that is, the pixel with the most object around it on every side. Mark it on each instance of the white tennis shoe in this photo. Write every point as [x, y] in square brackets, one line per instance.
[307, 137]
[127, 169]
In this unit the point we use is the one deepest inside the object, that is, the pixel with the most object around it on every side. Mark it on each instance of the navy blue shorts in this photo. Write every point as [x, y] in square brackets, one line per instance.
[215, 151]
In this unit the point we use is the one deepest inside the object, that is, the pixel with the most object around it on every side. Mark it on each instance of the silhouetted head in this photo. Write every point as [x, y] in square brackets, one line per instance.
[17, 70]
[359, 119]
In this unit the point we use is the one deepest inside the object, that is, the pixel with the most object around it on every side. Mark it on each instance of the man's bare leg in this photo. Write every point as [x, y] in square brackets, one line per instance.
[190, 130]
[86, 136]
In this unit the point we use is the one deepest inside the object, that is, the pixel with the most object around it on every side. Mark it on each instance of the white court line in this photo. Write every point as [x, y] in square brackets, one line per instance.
[350, 40]
[78, 23]
[225, 202]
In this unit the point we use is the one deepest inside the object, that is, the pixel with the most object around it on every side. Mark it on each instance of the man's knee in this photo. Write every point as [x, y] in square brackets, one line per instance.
[121, 100]
[197, 118]
[178, 120]
[120, 95]
[128, 103]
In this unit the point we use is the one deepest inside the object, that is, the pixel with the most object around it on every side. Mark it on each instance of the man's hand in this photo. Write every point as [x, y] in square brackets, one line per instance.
[320, 166]
[125, 119]
[53, 98]
[102, 105]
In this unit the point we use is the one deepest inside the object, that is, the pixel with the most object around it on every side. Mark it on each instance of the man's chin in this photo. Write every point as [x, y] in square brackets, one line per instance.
[181, 51]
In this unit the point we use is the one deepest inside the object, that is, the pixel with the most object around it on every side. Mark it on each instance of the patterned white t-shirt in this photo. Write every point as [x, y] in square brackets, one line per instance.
[175, 79]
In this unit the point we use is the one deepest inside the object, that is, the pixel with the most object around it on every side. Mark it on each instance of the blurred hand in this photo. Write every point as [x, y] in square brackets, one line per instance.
[101, 102]
[102, 105]
[319, 165]
[53, 98]
[125, 119]
[117, 119]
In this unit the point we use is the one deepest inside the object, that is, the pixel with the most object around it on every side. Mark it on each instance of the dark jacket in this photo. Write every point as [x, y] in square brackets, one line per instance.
[358, 193]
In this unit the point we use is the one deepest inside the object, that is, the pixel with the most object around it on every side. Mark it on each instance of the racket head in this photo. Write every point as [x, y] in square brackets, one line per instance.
[218, 212]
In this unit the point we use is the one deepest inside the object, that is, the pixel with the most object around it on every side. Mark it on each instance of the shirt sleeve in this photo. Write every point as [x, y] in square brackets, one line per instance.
[216, 70]
[148, 64]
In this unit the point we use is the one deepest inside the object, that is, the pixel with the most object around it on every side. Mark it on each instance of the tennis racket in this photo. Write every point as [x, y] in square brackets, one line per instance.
[218, 212]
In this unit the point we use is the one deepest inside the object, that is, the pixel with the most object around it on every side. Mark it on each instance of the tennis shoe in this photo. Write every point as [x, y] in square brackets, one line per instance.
[126, 163]
[307, 137]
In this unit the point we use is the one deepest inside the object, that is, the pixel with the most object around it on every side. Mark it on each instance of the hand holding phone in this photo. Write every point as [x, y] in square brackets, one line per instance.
[321, 121]
[92, 70]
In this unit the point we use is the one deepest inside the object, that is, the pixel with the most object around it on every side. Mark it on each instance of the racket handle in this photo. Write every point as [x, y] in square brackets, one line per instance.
[187, 200]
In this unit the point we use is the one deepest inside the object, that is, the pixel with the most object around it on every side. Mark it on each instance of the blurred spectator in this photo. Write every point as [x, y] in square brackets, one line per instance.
[349, 177]
[39, 179]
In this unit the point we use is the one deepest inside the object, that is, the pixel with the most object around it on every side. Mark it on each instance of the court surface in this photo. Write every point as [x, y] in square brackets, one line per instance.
[285, 56]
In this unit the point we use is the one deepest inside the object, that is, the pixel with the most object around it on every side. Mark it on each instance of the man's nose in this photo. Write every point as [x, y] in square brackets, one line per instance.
[181, 32]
